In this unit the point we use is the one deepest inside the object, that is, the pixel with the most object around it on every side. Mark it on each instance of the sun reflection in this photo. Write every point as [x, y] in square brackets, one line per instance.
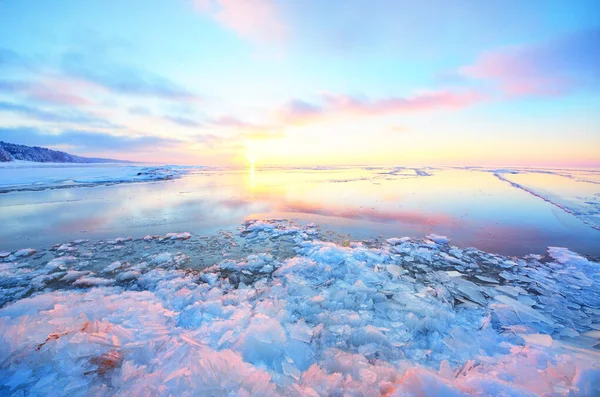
[252, 181]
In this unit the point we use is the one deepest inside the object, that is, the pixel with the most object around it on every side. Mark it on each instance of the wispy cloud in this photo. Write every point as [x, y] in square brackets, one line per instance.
[123, 79]
[183, 121]
[55, 116]
[51, 91]
[12, 59]
[247, 131]
[83, 141]
[298, 111]
[79, 70]
[12, 86]
[550, 68]
[258, 20]
[229, 121]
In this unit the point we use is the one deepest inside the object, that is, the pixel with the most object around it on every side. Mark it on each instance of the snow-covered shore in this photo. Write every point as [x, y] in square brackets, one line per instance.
[27, 175]
[281, 311]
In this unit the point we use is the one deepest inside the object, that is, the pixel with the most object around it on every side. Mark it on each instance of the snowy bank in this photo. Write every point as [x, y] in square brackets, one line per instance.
[27, 175]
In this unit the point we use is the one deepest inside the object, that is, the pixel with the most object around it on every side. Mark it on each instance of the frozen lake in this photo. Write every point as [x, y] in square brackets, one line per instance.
[511, 212]
[184, 283]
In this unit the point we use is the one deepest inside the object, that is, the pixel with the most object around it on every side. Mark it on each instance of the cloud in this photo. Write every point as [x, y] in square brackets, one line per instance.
[248, 131]
[298, 109]
[55, 92]
[123, 79]
[262, 133]
[258, 20]
[55, 116]
[178, 119]
[139, 111]
[183, 121]
[82, 140]
[229, 121]
[8, 86]
[551, 68]
[298, 112]
[81, 71]
[12, 59]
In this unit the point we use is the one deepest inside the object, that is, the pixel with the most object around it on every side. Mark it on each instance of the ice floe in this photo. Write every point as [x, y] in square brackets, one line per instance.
[287, 313]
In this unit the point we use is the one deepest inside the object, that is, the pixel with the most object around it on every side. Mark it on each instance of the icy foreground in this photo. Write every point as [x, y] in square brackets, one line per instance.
[298, 316]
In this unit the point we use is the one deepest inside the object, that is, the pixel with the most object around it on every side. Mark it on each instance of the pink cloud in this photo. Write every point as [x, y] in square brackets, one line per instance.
[551, 68]
[229, 121]
[298, 112]
[258, 20]
[58, 93]
[515, 74]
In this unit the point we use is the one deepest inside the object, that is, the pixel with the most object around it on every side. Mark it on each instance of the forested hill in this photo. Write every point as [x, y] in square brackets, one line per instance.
[11, 151]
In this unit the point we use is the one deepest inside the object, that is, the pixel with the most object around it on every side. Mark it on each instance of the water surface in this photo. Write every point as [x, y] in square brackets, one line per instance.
[473, 207]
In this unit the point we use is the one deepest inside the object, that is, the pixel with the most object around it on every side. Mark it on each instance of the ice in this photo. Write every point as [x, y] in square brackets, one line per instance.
[438, 239]
[128, 275]
[25, 175]
[178, 236]
[394, 270]
[24, 252]
[73, 275]
[572, 191]
[114, 266]
[524, 313]
[538, 339]
[163, 258]
[290, 314]
[60, 263]
[563, 255]
[487, 279]
[90, 281]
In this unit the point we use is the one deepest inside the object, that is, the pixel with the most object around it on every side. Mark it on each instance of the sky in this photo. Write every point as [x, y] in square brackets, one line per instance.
[305, 82]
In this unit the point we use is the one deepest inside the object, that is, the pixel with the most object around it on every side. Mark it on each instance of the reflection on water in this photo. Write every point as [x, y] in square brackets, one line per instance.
[472, 207]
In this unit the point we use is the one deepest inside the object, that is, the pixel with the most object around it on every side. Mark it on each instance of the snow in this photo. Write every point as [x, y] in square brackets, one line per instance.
[291, 314]
[575, 192]
[26, 175]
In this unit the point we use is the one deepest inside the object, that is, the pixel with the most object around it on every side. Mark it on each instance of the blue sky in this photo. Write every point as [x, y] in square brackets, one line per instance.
[305, 82]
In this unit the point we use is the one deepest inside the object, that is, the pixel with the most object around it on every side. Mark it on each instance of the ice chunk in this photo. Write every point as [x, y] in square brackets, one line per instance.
[114, 266]
[487, 279]
[73, 275]
[468, 290]
[128, 275]
[22, 253]
[524, 313]
[178, 236]
[438, 239]
[538, 339]
[90, 281]
[163, 258]
[61, 262]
